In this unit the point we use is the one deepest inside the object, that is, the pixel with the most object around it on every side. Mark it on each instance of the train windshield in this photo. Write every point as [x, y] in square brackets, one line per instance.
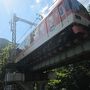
[66, 5]
[78, 7]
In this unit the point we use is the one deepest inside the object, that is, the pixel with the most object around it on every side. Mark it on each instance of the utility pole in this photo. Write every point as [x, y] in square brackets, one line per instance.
[10, 72]
[13, 29]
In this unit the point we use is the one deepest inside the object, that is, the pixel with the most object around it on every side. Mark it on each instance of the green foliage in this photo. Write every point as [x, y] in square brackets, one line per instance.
[72, 77]
[4, 56]
[61, 75]
[53, 82]
[3, 43]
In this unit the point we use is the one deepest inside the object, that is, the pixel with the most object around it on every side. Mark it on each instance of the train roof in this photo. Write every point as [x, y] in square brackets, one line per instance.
[56, 3]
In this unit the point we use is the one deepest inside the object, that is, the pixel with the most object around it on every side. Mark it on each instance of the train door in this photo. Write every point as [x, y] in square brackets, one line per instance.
[64, 13]
[53, 21]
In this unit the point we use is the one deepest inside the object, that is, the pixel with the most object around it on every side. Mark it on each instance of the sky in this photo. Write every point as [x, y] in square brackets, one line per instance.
[26, 9]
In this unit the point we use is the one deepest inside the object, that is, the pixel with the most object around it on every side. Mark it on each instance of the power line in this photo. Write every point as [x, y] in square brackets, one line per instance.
[23, 35]
[26, 32]
[31, 27]
[85, 1]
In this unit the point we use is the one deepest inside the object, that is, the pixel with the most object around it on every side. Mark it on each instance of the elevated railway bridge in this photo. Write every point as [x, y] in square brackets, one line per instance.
[62, 38]
[38, 60]
[32, 68]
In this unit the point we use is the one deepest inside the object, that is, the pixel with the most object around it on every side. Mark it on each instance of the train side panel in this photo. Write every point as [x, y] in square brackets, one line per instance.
[54, 23]
[62, 16]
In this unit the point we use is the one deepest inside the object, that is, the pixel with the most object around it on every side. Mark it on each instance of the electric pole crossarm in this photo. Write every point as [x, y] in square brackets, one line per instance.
[28, 22]
[16, 19]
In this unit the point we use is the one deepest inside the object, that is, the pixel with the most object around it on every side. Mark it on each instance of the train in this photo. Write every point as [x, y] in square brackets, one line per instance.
[66, 21]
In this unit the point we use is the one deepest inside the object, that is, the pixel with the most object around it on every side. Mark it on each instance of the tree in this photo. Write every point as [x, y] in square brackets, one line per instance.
[4, 56]
[72, 77]
[62, 74]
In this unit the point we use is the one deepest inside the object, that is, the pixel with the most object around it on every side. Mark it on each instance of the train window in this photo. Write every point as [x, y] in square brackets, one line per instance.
[27, 43]
[51, 20]
[78, 7]
[36, 34]
[61, 10]
[23, 45]
[56, 16]
[32, 37]
[42, 29]
[66, 5]
[51, 23]
[74, 5]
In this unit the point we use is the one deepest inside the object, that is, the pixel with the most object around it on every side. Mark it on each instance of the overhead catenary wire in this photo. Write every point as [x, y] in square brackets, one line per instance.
[30, 27]
[36, 19]
[23, 36]
[85, 1]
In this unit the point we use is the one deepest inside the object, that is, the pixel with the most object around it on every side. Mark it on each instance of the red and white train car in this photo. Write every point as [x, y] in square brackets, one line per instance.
[66, 20]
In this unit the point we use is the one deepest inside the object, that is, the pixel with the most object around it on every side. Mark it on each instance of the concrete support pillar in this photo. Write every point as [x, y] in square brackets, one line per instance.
[27, 86]
[8, 87]
[41, 85]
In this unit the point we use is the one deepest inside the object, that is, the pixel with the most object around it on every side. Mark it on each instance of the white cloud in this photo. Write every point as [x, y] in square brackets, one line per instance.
[37, 1]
